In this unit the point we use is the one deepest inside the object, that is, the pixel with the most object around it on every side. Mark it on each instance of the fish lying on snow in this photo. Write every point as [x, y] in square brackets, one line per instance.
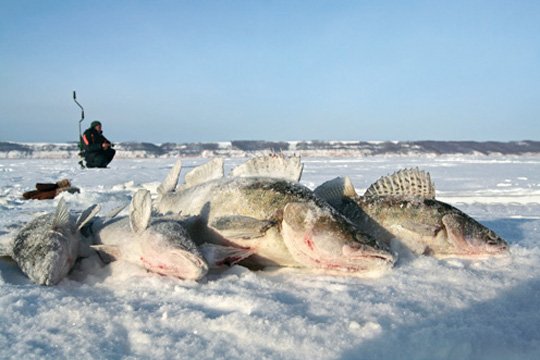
[159, 244]
[280, 220]
[48, 246]
[403, 206]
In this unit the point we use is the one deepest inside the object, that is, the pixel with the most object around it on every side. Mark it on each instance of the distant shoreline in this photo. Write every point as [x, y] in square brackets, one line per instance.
[240, 148]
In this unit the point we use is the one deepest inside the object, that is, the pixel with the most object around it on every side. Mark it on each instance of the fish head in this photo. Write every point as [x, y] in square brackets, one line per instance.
[468, 237]
[319, 237]
[167, 249]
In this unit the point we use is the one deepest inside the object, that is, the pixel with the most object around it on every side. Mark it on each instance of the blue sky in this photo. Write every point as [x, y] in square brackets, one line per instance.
[190, 71]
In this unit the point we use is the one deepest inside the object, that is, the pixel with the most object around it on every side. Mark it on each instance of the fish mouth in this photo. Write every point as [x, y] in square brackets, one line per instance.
[486, 251]
[354, 259]
[361, 251]
[497, 248]
[177, 263]
[473, 253]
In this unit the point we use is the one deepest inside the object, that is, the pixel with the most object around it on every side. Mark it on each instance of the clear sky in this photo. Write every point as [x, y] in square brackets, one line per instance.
[190, 71]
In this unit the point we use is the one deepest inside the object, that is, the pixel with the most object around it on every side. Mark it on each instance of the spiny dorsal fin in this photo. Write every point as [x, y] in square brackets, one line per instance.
[206, 172]
[404, 183]
[61, 216]
[87, 215]
[140, 210]
[170, 181]
[334, 190]
[274, 165]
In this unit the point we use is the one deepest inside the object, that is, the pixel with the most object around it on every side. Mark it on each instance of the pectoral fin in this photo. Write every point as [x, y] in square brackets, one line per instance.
[218, 256]
[169, 183]
[87, 215]
[241, 227]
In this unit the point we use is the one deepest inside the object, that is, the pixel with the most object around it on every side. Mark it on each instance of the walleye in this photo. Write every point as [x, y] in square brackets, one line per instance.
[403, 206]
[159, 244]
[48, 246]
[280, 220]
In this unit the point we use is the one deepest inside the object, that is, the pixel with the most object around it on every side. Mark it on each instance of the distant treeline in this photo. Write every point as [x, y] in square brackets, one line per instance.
[316, 147]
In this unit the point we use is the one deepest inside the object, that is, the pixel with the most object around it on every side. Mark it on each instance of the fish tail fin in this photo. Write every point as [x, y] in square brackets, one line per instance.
[170, 181]
[61, 216]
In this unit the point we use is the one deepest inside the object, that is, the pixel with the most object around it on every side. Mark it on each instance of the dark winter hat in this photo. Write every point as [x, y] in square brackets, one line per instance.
[95, 123]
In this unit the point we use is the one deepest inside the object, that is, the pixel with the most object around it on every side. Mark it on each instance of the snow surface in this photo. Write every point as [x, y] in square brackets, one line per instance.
[422, 309]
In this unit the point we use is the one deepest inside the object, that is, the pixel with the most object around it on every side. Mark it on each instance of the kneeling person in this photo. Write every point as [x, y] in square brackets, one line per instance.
[98, 150]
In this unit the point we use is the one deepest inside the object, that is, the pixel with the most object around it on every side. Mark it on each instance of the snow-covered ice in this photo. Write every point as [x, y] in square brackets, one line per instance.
[424, 308]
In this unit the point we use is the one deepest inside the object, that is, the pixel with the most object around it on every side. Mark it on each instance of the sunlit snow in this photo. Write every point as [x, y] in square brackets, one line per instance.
[423, 308]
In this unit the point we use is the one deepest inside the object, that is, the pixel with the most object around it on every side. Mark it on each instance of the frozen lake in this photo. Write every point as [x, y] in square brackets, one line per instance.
[423, 308]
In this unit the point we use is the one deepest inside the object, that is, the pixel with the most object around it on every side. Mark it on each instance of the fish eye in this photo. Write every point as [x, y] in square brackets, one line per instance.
[492, 242]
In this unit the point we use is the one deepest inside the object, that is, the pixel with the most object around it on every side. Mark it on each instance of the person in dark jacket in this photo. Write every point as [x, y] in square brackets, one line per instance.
[98, 151]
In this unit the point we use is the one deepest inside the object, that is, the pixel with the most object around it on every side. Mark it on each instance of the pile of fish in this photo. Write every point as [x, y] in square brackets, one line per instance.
[281, 221]
[258, 216]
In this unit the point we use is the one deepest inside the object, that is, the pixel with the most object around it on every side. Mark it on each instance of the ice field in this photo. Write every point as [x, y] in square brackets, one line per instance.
[423, 308]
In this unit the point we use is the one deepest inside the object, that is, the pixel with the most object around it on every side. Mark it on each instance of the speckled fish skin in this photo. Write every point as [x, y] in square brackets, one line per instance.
[403, 206]
[333, 243]
[46, 253]
[425, 226]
